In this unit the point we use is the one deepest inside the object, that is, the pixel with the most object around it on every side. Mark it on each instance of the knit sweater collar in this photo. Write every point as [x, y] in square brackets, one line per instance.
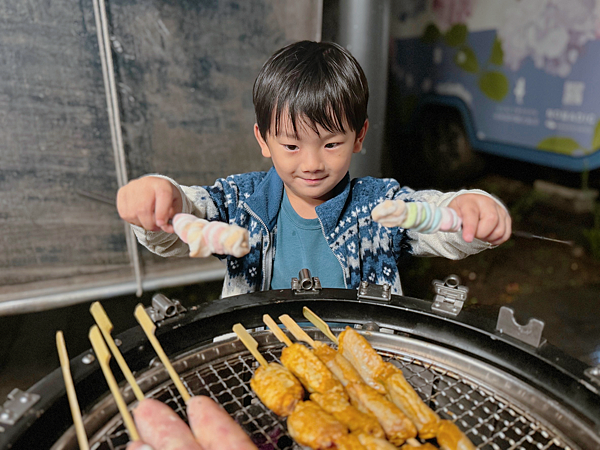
[266, 201]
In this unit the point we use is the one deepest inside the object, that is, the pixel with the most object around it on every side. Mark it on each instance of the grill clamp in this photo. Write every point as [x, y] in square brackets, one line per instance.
[530, 334]
[593, 374]
[163, 308]
[16, 406]
[450, 296]
[305, 284]
[379, 292]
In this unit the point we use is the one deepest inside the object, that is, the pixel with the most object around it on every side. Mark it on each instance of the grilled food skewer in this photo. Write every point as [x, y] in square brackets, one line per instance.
[303, 363]
[387, 377]
[310, 425]
[106, 328]
[325, 388]
[149, 328]
[450, 437]
[398, 427]
[335, 403]
[273, 383]
[71, 395]
[103, 356]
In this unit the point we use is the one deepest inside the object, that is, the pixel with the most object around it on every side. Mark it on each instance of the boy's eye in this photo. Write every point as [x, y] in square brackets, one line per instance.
[332, 145]
[290, 147]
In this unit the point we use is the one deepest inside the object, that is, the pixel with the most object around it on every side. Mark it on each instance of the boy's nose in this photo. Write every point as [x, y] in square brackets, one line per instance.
[312, 162]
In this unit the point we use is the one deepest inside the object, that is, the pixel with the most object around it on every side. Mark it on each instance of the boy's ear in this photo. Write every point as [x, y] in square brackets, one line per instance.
[360, 137]
[264, 148]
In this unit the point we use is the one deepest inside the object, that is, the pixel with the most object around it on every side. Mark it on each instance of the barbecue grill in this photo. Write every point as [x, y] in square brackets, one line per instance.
[504, 389]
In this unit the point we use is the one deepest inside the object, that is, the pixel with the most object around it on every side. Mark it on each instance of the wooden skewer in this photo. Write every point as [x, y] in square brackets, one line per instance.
[250, 343]
[278, 332]
[319, 323]
[148, 326]
[296, 330]
[103, 356]
[71, 395]
[106, 327]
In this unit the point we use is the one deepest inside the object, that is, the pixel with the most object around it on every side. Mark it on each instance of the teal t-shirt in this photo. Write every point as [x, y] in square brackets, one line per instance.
[301, 245]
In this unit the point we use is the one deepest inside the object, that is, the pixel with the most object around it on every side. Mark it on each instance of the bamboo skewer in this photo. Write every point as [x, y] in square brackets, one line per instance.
[103, 356]
[296, 330]
[106, 327]
[250, 343]
[320, 324]
[71, 395]
[278, 332]
[149, 328]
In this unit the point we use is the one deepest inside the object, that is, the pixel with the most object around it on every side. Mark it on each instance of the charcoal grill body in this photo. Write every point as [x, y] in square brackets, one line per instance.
[543, 385]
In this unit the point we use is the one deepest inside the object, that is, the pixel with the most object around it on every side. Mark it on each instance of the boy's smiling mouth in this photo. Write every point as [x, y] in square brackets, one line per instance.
[313, 180]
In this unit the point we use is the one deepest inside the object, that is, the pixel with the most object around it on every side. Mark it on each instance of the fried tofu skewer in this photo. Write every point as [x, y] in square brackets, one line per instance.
[450, 437]
[273, 383]
[396, 426]
[335, 402]
[307, 367]
[388, 378]
[366, 358]
[310, 425]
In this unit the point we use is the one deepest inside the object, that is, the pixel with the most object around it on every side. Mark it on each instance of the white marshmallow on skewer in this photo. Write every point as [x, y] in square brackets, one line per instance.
[206, 238]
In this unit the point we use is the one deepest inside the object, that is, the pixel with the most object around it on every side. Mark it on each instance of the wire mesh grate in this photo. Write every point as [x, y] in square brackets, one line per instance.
[491, 422]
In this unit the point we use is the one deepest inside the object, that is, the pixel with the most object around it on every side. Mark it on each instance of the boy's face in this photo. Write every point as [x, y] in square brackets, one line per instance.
[312, 164]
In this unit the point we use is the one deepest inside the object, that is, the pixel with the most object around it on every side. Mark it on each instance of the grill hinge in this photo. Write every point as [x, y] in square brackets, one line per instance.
[379, 292]
[305, 284]
[17, 404]
[163, 308]
[530, 334]
[450, 296]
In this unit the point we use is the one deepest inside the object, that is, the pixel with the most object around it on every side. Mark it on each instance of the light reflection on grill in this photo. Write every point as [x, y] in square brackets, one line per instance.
[223, 372]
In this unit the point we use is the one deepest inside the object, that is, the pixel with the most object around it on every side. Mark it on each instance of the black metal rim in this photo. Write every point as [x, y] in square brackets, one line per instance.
[548, 369]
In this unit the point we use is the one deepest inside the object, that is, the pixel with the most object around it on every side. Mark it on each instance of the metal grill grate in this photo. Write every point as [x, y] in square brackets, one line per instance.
[489, 420]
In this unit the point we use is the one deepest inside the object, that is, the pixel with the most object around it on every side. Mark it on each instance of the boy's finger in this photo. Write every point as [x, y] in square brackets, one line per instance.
[214, 428]
[163, 207]
[146, 218]
[504, 231]
[470, 220]
[162, 428]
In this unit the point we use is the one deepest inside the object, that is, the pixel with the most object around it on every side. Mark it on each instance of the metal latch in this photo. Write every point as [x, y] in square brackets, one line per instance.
[593, 373]
[17, 404]
[305, 284]
[530, 334]
[163, 308]
[450, 295]
[379, 292]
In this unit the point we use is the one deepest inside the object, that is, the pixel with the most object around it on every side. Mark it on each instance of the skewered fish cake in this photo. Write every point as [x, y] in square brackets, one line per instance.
[310, 370]
[398, 428]
[339, 407]
[310, 425]
[277, 388]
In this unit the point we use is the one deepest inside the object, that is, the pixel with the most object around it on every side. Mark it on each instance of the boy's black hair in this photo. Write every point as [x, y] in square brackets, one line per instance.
[319, 83]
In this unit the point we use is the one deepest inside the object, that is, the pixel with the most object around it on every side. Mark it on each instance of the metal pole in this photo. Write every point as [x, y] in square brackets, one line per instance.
[364, 31]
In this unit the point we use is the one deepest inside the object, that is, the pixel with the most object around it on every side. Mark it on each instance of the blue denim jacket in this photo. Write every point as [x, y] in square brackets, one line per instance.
[365, 249]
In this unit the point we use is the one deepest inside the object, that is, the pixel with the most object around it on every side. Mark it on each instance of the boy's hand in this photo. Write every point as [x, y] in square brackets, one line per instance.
[149, 202]
[482, 218]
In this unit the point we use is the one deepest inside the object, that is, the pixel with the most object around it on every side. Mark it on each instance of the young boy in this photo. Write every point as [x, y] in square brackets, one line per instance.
[310, 100]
